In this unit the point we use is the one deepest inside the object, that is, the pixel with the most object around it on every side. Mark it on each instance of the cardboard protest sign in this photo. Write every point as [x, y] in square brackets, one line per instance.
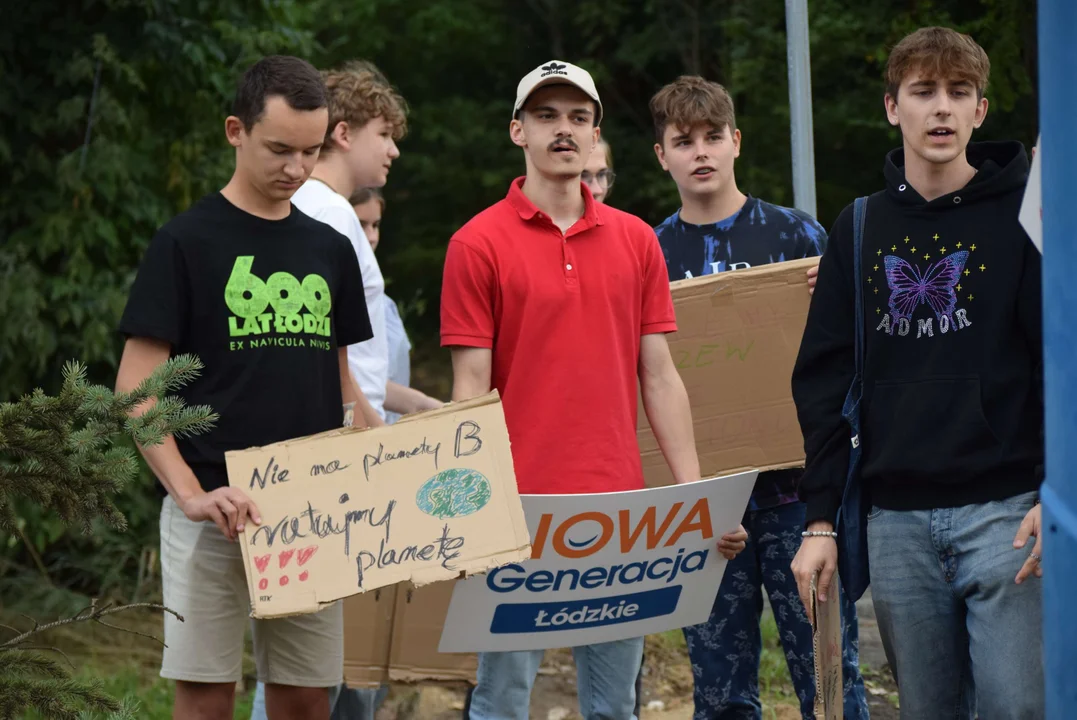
[826, 644]
[603, 567]
[391, 635]
[351, 510]
[738, 334]
[1031, 213]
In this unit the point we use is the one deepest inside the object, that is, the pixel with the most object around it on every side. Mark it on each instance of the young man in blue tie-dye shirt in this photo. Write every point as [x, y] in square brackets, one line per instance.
[720, 228]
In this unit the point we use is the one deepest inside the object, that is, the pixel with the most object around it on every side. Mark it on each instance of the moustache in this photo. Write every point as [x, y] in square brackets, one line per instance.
[564, 143]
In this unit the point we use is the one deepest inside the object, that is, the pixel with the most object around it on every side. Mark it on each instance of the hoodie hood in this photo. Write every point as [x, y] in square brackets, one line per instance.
[1001, 168]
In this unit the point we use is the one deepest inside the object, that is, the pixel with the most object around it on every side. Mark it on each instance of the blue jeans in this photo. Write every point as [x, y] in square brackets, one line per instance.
[345, 703]
[605, 681]
[725, 650]
[959, 634]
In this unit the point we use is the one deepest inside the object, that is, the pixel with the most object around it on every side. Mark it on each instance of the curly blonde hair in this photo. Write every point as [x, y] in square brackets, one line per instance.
[359, 93]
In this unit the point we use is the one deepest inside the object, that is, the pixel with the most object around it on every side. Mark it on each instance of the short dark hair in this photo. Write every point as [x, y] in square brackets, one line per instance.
[292, 78]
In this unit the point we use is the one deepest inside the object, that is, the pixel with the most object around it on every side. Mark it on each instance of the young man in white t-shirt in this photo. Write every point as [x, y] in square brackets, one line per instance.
[366, 118]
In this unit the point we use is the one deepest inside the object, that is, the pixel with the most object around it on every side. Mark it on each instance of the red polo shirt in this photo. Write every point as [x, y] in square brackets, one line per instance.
[563, 314]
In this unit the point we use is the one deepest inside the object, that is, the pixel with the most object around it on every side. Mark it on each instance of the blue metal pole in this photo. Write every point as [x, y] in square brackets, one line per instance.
[1058, 108]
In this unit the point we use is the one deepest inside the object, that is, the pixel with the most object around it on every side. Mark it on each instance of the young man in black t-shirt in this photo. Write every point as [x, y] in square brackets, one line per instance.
[269, 299]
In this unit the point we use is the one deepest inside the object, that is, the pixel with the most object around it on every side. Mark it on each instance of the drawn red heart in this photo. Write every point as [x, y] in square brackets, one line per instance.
[283, 580]
[303, 576]
[285, 556]
[305, 554]
[261, 562]
[263, 584]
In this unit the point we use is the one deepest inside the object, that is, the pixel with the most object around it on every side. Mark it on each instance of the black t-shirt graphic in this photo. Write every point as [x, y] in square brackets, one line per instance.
[265, 304]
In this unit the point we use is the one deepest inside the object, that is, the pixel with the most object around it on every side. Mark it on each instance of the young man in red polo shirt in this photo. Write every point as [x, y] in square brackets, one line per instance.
[560, 303]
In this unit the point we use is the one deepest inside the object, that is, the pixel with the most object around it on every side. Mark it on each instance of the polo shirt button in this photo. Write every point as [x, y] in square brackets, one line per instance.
[569, 266]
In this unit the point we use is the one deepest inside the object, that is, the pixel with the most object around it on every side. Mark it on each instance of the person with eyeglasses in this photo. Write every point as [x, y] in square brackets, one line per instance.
[598, 173]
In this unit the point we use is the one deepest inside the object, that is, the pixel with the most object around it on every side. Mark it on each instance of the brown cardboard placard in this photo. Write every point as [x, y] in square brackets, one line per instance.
[738, 334]
[392, 634]
[352, 510]
[826, 644]
[368, 636]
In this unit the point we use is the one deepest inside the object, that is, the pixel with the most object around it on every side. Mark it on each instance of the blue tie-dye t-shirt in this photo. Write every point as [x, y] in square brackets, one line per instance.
[758, 234]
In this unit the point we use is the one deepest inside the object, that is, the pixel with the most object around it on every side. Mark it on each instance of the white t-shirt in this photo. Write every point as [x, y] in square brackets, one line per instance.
[369, 360]
[399, 351]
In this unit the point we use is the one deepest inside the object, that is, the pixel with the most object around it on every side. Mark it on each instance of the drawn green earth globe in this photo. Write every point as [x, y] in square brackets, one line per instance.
[454, 493]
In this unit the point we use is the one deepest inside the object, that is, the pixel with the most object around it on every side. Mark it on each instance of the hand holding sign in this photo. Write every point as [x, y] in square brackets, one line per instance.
[826, 644]
[733, 544]
[817, 557]
[228, 507]
[347, 511]
[813, 278]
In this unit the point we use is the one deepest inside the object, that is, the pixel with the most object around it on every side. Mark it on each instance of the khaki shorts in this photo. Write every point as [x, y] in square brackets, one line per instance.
[203, 578]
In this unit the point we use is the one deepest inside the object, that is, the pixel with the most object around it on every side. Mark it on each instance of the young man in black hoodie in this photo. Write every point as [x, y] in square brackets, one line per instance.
[952, 411]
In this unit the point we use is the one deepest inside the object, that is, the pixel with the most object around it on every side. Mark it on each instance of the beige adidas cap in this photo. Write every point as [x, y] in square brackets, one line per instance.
[556, 72]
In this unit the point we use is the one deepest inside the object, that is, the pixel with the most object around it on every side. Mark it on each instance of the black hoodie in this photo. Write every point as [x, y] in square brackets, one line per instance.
[952, 412]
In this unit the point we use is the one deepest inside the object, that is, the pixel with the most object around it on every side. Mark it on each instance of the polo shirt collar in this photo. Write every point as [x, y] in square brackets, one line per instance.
[527, 210]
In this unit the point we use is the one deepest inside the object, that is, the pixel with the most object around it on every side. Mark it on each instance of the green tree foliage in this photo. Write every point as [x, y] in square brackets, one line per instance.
[147, 83]
[57, 454]
[112, 121]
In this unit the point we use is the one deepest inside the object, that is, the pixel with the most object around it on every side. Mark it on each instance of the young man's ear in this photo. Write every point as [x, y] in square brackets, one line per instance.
[660, 153]
[234, 130]
[736, 143]
[890, 105]
[517, 134]
[342, 135]
[981, 113]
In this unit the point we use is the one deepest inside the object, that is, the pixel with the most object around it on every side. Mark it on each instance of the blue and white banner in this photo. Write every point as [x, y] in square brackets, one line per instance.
[603, 567]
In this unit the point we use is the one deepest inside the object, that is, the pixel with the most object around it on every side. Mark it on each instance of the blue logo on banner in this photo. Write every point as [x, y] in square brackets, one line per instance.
[577, 614]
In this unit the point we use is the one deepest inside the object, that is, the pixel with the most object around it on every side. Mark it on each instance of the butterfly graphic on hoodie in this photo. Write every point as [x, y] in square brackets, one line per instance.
[934, 287]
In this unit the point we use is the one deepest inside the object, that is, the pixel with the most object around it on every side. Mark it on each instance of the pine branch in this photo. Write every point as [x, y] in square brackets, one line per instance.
[190, 421]
[57, 452]
[24, 662]
[92, 613]
[129, 710]
[182, 371]
[49, 648]
[52, 698]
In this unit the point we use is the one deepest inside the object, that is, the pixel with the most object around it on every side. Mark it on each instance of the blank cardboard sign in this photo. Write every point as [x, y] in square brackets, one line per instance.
[429, 498]
[738, 334]
[392, 635]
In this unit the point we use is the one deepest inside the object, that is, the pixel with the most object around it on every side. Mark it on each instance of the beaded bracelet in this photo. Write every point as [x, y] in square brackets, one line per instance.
[818, 533]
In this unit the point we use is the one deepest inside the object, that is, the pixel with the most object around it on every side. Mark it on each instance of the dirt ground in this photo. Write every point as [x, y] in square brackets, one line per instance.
[667, 686]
